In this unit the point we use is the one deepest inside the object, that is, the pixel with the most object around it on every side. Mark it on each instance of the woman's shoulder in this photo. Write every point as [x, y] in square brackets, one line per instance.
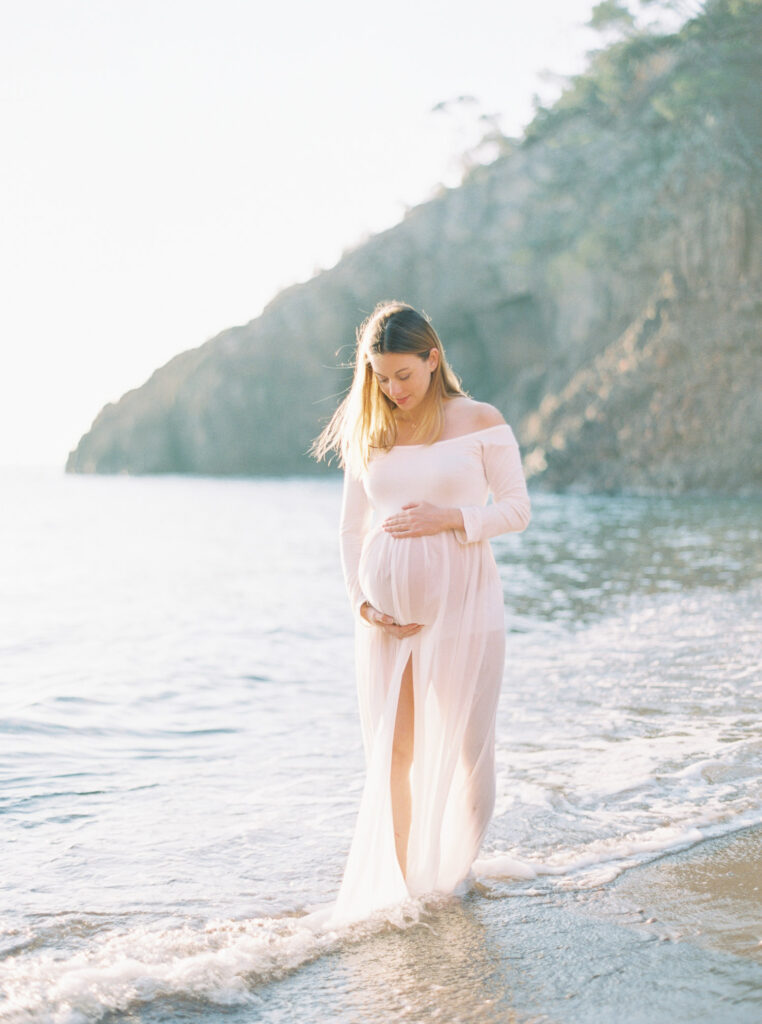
[467, 416]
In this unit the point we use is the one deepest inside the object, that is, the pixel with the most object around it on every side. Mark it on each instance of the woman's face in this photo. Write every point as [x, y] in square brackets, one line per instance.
[404, 376]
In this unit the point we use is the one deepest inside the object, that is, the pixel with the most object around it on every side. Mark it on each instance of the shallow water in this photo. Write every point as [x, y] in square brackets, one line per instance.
[180, 757]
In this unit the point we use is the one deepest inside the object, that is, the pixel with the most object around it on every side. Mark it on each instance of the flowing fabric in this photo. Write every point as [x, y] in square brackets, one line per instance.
[449, 583]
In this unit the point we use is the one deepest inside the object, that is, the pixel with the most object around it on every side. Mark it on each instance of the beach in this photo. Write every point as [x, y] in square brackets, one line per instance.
[710, 896]
[675, 940]
[181, 766]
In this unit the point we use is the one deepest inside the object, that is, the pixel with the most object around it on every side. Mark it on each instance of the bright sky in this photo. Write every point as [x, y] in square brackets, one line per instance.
[171, 164]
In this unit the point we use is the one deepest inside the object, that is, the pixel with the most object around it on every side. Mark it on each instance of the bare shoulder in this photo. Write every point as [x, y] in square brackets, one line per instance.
[468, 415]
[486, 415]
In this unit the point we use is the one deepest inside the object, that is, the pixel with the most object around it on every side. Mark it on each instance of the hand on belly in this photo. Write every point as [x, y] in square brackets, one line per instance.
[387, 623]
[404, 577]
[421, 519]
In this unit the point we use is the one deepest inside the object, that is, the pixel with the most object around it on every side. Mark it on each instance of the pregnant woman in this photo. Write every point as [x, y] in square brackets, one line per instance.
[420, 458]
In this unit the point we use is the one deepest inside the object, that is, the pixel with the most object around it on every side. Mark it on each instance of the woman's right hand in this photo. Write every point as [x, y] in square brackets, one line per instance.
[387, 623]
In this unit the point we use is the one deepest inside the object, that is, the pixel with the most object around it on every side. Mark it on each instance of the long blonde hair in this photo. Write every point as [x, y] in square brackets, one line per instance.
[365, 420]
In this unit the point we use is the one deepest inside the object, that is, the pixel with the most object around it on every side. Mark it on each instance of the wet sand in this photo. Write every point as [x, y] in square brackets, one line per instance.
[710, 895]
[676, 941]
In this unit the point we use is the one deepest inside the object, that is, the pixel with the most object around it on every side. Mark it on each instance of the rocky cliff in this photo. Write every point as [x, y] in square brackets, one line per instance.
[599, 282]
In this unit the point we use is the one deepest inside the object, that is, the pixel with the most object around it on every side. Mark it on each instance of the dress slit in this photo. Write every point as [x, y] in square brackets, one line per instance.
[406, 782]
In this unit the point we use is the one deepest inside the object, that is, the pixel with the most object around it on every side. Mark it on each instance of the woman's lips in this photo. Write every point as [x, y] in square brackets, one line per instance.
[401, 401]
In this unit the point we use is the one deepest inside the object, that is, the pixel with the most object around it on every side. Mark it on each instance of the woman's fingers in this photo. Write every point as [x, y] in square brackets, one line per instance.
[416, 519]
[408, 525]
[402, 631]
[387, 623]
[394, 522]
[398, 518]
[401, 526]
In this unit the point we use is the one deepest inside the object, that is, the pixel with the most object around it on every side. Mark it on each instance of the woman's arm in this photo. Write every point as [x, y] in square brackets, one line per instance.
[510, 510]
[356, 515]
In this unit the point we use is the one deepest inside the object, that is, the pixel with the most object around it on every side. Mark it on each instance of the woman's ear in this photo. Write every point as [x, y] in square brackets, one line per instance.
[433, 360]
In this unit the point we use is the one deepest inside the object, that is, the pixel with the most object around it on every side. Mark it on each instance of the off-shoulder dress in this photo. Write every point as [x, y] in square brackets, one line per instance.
[449, 583]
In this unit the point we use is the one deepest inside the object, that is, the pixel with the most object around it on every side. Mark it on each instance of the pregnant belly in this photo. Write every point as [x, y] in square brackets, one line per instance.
[405, 577]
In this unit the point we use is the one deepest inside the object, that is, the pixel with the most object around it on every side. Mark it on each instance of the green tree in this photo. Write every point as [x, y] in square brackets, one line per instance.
[610, 14]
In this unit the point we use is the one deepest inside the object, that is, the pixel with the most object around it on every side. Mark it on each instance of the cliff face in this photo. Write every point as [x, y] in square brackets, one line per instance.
[599, 283]
[666, 407]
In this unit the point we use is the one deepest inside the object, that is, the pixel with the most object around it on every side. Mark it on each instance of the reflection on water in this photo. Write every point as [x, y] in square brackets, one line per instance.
[445, 961]
[583, 554]
[181, 759]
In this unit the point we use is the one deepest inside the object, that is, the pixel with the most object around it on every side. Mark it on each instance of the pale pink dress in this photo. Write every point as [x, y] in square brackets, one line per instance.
[448, 582]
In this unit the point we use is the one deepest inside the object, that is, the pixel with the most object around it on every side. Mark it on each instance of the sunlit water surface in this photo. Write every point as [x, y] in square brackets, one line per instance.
[181, 762]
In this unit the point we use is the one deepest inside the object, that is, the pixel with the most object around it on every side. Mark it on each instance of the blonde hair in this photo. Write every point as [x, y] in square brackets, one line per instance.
[365, 420]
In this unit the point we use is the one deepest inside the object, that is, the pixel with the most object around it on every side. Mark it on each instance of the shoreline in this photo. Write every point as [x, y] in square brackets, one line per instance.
[671, 941]
[709, 894]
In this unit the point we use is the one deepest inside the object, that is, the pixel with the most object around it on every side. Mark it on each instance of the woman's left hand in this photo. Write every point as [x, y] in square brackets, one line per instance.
[421, 518]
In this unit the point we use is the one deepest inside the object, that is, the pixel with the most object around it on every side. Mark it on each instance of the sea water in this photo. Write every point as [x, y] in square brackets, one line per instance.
[181, 761]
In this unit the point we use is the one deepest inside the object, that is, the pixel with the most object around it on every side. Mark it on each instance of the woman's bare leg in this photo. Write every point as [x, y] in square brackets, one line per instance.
[402, 759]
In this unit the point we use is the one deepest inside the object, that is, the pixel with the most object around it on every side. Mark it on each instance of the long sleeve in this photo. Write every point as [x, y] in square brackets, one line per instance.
[356, 516]
[510, 510]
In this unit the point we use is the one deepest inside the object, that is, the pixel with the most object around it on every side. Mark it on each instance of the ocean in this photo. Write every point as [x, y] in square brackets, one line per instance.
[181, 761]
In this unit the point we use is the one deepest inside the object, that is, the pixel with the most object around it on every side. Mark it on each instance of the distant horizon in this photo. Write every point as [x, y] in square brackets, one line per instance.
[157, 199]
